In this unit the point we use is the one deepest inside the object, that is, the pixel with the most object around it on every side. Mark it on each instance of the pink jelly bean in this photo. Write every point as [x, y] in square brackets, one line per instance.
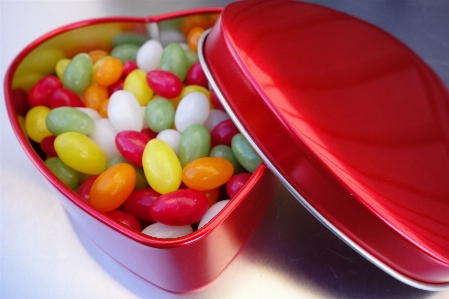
[84, 190]
[180, 207]
[236, 183]
[48, 146]
[20, 101]
[196, 76]
[64, 97]
[215, 101]
[138, 204]
[126, 219]
[164, 83]
[128, 67]
[131, 145]
[39, 93]
[223, 133]
[117, 85]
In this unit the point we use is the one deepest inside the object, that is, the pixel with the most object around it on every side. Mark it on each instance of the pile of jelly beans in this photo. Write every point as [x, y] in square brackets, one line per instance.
[137, 133]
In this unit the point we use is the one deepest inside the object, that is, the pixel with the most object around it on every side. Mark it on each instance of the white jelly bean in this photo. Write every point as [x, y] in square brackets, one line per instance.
[194, 108]
[171, 137]
[149, 55]
[160, 230]
[212, 212]
[91, 112]
[104, 136]
[215, 117]
[124, 111]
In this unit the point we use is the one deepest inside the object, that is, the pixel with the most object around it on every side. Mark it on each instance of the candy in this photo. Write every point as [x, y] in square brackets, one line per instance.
[212, 212]
[78, 73]
[107, 71]
[66, 174]
[35, 125]
[94, 95]
[194, 108]
[244, 153]
[196, 76]
[215, 117]
[69, 119]
[124, 111]
[171, 137]
[159, 114]
[224, 151]
[136, 83]
[131, 144]
[149, 55]
[194, 144]
[124, 52]
[138, 203]
[193, 37]
[64, 97]
[236, 183]
[40, 92]
[224, 132]
[48, 147]
[174, 60]
[207, 173]
[160, 230]
[126, 219]
[84, 190]
[164, 83]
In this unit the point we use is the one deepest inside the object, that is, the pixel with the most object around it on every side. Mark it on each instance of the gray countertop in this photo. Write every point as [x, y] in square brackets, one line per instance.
[290, 255]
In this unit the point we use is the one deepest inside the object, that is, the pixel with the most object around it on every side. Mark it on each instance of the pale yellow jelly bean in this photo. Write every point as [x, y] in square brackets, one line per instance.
[35, 125]
[61, 65]
[161, 166]
[80, 152]
[136, 83]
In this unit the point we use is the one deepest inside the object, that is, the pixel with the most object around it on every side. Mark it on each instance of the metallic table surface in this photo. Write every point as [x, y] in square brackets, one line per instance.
[45, 255]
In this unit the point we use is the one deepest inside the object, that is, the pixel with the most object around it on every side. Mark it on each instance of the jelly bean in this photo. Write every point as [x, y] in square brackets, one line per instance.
[159, 114]
[69, 119]
[80, 152]
[20, 101]
[136, 83]
[149, 55]
[174, 60]
[116, 160]
[91, 112]
[64, 97]
[236, 182]
[196, 76]
[194, 144]
[194, 108]
[84, 190]
[94, 95]
[129, 38]
[244, 153]
[159, 230]
[207, 173]
[40, 92]
[131, 145]
[118, 85]
[195, 88]
[149, 133]
[193, 36]
[171, 137]
[96, 55]
[215, 117]
[180, 207]
[138, 203]
[126, 219]
[192, 21]
[128, 67]
[103, 109]
[212, 212]
[21, 120]
[223, 133]
[164, 83]
[78, 73]
[104, 135]
[215, 101]
[162, 167]
[65, 173]
[107, 71]
[125, 52]
[35, 123]
[224, 151]
[192, 58]
[60, 67]
[212, 195]
[112, 187]
[124, 111]
[141, 180]
[47, 145]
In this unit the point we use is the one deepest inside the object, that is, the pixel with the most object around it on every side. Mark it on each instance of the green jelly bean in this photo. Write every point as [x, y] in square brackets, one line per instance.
[224, 151]
[159, 114]
[174, 60]
[129, 38]
[65, 173]
[78, 73]
[244, 153]
[125, 52]
[192, 58]
[194, 144]
[69, 119]
[141, 180]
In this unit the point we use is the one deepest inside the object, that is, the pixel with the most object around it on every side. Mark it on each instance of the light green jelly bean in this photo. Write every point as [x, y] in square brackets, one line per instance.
[141, 180]
[194, 144]
[174, 60]
[224, 151]
[125, 52]
[129, 38]
[65, 173]
[78, 73]
[159, 114]
[192, 58]
[69, 119]
[244, 153]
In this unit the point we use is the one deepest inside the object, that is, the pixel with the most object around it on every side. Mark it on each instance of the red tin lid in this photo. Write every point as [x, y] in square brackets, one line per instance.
[351, 120]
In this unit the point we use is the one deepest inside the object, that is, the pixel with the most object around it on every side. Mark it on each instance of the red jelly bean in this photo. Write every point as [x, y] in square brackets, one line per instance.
[126, 219]
[215, 101]
[164, 83]
[64, 97]
[223, 133]
[20, 101]
[149, 133]
[48, 146]
[128, 67]
[40, 92]
[131, 145]
[196, 76]
[236, 183]
[118, 85]
[138, 203]
[180, 207]
[84, 189]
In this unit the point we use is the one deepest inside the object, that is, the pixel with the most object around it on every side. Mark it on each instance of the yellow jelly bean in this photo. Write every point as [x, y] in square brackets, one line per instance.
[61, 66]
[161, 166]
[136, 83]
[80, 152]
[35, 125]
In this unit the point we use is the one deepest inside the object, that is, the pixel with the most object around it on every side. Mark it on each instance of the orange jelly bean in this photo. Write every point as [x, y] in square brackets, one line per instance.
[108, 70]
[212, 195]
[103, 109]
[94, 95]
[193, 37]
[207, 173]
[96, 55]
[190, 22]
[111, 189]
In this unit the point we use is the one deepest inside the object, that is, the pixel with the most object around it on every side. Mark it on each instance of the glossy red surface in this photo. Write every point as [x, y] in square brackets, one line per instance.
[354, 121]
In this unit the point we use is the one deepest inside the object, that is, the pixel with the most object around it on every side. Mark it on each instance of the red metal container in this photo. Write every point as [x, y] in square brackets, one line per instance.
[351, 121]
[179, 264]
